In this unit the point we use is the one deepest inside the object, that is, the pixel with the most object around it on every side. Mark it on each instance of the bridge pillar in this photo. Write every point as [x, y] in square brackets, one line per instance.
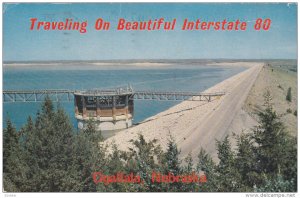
[126, 106]
[84, 112]
[114, 107]
[75, 104]
[126, 110]
[98, 108]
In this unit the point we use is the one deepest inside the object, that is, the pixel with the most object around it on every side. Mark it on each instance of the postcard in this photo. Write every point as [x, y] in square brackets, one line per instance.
[150, 97]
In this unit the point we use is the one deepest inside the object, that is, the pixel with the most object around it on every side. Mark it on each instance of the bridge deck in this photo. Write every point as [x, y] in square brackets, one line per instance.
[68, 95]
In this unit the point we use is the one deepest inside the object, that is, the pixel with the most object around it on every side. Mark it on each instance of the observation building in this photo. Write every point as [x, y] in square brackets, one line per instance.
[108, 109]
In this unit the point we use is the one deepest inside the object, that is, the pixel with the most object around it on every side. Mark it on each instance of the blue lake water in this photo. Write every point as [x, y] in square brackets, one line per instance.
[167, 78]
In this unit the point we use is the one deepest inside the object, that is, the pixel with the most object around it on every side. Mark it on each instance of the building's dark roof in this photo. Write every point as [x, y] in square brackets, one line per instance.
[105, 92]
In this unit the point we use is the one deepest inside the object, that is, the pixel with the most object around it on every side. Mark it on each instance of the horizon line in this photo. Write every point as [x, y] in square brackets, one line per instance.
[156, 59]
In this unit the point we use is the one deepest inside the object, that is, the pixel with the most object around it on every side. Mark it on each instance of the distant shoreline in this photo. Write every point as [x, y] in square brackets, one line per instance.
[122, 64]
[87, 63]
[137, 62]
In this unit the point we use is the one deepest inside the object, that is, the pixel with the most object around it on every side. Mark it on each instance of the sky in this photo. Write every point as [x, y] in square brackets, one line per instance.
[22, 44]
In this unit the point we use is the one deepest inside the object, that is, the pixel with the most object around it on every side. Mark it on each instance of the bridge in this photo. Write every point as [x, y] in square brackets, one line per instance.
[65, 95]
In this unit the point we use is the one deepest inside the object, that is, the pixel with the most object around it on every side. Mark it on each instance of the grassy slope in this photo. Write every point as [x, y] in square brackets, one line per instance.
[277, 80]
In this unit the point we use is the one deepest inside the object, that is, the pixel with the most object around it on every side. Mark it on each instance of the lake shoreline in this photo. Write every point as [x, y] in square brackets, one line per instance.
[119, 65]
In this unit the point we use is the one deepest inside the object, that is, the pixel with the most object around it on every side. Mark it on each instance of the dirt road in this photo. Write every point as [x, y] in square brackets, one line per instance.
[196, 124]
[215, 125]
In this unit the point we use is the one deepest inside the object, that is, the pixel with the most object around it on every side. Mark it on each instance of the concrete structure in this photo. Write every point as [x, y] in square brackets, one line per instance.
[109, 109]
